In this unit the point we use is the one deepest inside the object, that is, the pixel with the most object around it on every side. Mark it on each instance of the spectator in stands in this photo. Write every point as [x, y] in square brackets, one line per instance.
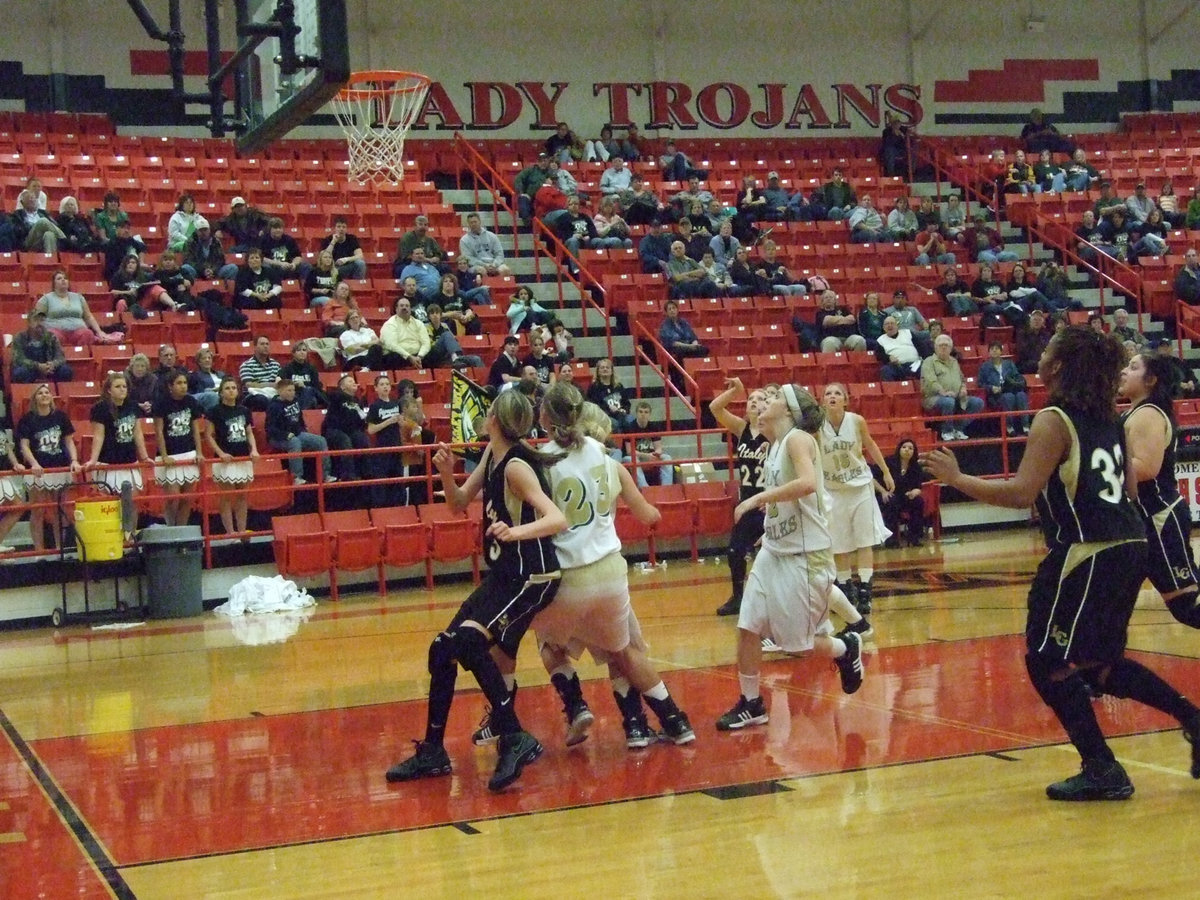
[1187, 281]
[1004, 388]
[426, 275]
[654, 249]
[686, 277]
[896, 345]
[243, 227]
[603, 148]
[550, 201]
[321, 280]
[204, 382]
[526, 185]
[807, 208]
[120, 248]
[870, 319]
[37, 354]
[1052, 283]
[607, 392]
[182, 224]
[1039, 135]
[776, 274]
[564, 145]
[610, 225]
[1031, 341]
[456, 307]
[566, 181]
[776, 199]
[633, 147]
[675, 165]
[204, 257]
[702, 224]
[257, 287]
[616, 178]
[419, 236]
[678, 336]
[137, 289]
[481, 249]
[639, 204]
[345, 427]
[1048, 175]
[1170, 205]
[508, 366]
[956, 293]
[910, 319]
[993, 300]
[1080, 175]
[893, 146]
[1153, 231]
[1185, 382]
[360, 346]
[1139, 205]
[406, 341]
[751, 204]
[33, 229]
[944, 390]
[931, 247]
[1019, 289]
[984, 244]
[67, 313]
[927, 212]
[437, 327]
[1020, 177]
[258, 375]
[77, 230]
[108, 217]
[302, 373]
[281, 254]
[902, 221]
[168, 367]
[34, 186]
[954, 219]
[1125, 331]
[654, 465]
[524, 311]
[1115, 233]
[577, 231]
[470, 284]
[720, 276]
[143, 385]
[866, 224]
[1107, 203]
[745, 281]
[836, 326]
[724, 245]
[689, 195]
[695, 245]
[347, 252]
[539, 360]
[173, 280]
[1090, 240]
[333, 314]
[287, 433]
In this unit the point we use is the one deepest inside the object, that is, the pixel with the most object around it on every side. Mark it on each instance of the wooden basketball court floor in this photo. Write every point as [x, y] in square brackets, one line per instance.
[175, 760]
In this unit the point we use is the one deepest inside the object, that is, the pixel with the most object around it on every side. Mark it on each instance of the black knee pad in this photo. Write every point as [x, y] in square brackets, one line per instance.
[1053, 690]
[441, 652]
[470, 647]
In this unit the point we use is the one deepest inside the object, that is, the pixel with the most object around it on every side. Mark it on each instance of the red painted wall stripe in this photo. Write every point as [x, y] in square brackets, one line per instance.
[1019, 80]
[156, 62]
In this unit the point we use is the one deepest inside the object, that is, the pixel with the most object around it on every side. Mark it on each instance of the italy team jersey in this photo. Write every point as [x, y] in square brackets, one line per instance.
[1085, 500]
[793, 526]
[585, 486]
[514, 559]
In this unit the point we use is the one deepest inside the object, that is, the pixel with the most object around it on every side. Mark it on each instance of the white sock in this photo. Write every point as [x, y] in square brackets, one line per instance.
[510, 682]
[658, 692]
[621, 686]
[843, 577]
[749, 685]
[866, 574]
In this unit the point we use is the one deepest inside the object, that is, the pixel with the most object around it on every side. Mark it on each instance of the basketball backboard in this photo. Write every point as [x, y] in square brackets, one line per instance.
[282, 83]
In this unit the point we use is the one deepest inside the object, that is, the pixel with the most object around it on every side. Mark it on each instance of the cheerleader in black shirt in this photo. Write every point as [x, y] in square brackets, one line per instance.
[232, 442]
[44, 437]
[177, 427]
[117, 442]
[12, 487]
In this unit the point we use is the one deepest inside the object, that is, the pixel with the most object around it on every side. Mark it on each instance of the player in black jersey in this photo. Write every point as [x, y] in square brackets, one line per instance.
[1086, 587]
[749, 454]
[1150, 436]
[519, 521]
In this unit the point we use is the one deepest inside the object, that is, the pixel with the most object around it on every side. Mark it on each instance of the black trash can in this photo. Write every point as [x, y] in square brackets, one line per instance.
[173, 567]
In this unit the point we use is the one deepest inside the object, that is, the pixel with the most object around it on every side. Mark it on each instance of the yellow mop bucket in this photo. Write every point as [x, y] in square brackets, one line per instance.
[98, 527]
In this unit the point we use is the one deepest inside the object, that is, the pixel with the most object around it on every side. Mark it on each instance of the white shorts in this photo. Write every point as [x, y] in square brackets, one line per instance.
[591, 610]
[787, 597]
[239, 471]
[116, 476]
[855, 520]
[12, 488]
[50, 481]
[184, 471]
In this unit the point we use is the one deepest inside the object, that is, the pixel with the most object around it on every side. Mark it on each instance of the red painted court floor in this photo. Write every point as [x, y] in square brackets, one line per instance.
[199, 790]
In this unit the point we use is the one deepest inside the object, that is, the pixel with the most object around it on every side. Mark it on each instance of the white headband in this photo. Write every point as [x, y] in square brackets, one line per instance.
[793, 404]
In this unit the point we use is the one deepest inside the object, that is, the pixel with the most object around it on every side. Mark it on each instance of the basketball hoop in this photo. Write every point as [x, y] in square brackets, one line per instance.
[376, 110]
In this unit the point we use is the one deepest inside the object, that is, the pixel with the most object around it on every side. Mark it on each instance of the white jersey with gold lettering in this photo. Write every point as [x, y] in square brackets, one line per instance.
[585, 486]
[794, 526]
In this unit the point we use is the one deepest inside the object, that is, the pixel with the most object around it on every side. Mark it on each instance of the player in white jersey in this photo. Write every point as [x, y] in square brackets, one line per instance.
[592, 609]
[787, 593]
[855, 522]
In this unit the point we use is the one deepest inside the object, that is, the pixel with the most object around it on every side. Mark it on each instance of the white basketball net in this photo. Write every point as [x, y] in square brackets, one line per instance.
[376, 116]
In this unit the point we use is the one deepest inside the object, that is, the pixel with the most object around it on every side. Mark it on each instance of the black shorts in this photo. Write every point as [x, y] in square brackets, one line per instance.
[1170, 565]
[1081, 600]
[506, 607]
